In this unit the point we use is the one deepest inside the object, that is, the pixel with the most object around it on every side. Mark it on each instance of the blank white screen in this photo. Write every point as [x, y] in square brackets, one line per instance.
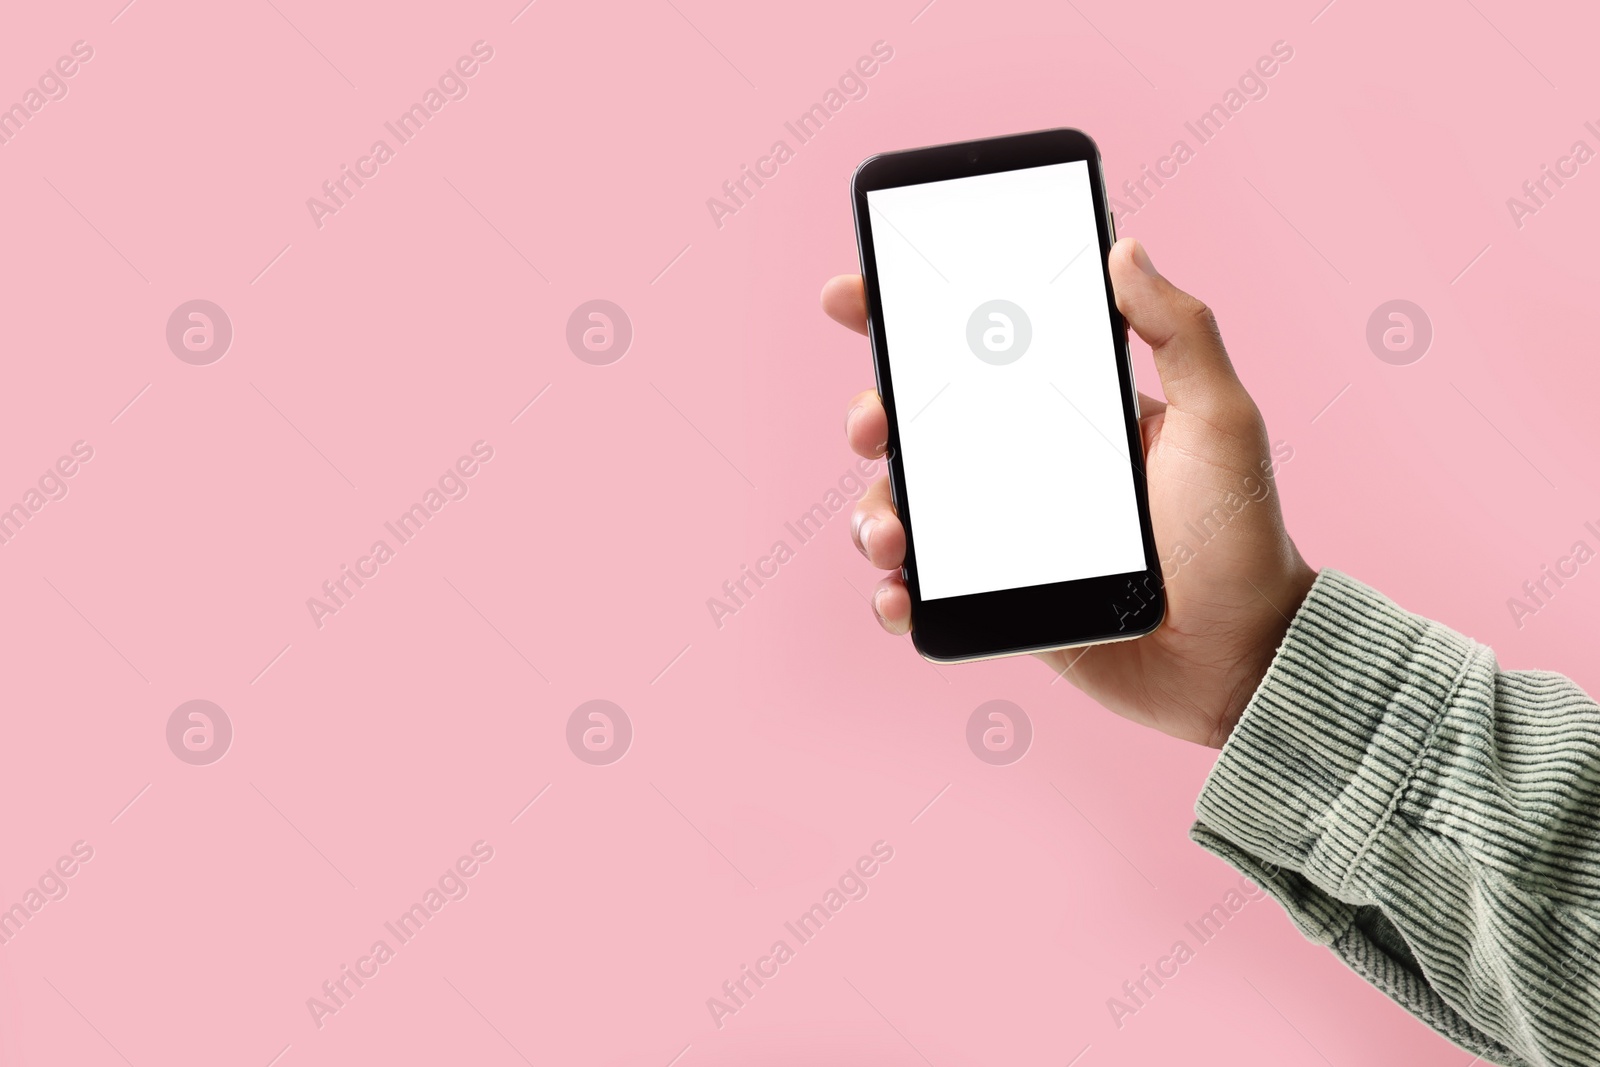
[1016, 474]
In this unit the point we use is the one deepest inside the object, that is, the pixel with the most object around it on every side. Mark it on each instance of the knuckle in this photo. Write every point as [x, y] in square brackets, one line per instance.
[1192, 307]
[1238, 415]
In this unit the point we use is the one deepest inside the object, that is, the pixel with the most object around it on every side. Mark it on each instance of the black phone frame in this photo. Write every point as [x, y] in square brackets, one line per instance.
[1032, 618]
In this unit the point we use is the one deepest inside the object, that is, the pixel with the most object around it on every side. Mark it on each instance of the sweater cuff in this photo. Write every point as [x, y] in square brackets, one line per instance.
[1331, 739]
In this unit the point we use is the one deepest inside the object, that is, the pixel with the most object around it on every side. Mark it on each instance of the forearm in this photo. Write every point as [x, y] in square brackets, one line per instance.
[1435, 821]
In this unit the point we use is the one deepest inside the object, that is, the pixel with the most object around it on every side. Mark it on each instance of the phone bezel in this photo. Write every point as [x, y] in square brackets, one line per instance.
[1032, 618]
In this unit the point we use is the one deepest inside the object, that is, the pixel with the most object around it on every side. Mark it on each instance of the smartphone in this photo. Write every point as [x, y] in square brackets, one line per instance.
[1014, 452]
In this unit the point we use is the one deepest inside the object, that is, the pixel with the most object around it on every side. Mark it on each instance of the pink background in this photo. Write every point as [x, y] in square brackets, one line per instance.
[770, 753]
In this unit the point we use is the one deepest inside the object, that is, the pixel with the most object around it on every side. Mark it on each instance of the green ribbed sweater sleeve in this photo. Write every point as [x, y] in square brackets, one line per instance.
[1432, 819]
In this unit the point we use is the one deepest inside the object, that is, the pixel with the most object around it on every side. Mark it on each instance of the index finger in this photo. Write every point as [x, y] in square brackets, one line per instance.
[844, 298]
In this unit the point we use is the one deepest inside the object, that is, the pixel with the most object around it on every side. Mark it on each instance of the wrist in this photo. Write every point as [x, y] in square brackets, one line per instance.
[1279, 601]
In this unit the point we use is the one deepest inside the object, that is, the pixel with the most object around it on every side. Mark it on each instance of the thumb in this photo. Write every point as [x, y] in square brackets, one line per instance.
[1195, 371]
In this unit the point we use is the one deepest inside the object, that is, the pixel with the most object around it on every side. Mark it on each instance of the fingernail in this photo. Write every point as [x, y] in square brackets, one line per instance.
[1142, 258]
[877, 598]
[850, 419]
[865, 533]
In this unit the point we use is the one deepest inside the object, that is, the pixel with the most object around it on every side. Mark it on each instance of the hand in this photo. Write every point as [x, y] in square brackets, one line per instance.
[1229, 599]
